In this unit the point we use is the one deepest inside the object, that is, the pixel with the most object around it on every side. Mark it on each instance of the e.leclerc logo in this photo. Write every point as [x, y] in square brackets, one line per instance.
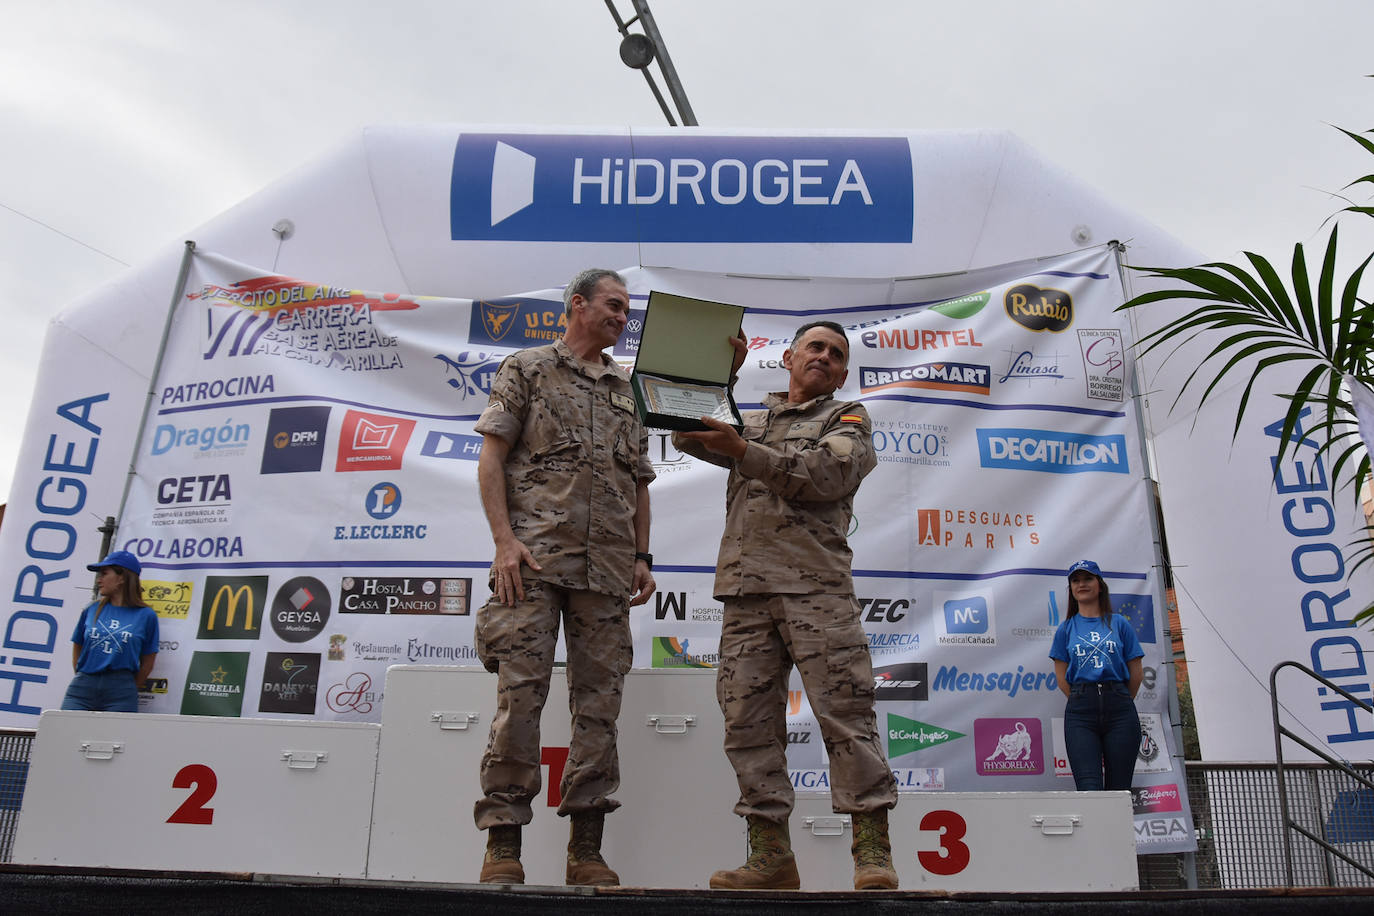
[603, 188]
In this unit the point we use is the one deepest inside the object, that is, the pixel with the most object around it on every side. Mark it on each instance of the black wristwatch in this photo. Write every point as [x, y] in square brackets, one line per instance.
[647, 558]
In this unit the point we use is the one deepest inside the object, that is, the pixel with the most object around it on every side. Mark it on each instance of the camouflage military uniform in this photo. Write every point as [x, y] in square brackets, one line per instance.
[784, 576]
[578, 453]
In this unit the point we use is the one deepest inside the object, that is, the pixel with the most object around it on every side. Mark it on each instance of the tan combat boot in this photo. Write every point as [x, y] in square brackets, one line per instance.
[770, 866]
[872, 851]
[501, 864]
[586, 868]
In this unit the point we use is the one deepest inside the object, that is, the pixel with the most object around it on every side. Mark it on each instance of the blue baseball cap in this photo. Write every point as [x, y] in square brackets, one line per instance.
[121, 558]
[1086, 566]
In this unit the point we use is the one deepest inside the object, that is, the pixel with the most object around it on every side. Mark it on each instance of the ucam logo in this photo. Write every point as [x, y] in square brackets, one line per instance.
[1051, 451]
[969, 378]
[680, 188]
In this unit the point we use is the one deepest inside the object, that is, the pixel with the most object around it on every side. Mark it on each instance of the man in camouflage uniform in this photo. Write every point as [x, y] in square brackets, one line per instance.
[564, 476]
[784, 577]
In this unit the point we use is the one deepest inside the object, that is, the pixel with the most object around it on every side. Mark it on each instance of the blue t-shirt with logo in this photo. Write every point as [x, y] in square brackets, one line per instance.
[1095, 650]
[116, 640]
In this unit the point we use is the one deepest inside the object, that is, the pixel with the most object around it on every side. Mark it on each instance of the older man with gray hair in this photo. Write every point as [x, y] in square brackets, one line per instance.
[564, 476]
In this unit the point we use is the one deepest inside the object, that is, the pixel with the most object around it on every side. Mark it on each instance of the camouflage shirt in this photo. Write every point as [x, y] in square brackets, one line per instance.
[790, 499]
[578, 452]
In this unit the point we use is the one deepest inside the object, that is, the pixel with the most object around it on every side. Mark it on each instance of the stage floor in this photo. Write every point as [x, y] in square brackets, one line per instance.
[27, 889]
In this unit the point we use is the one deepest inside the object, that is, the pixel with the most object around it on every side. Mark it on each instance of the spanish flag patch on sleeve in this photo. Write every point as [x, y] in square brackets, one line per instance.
[851, 418]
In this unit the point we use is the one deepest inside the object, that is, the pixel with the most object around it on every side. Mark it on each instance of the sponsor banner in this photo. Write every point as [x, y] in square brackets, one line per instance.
[305, 501]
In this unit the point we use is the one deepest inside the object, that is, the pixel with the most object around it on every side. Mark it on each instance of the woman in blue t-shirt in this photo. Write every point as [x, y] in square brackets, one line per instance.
[1097, 662]
[115, 641]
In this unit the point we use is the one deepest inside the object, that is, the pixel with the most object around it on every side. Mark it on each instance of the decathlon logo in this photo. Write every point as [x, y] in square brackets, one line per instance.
[1053, 452]
[600, 188]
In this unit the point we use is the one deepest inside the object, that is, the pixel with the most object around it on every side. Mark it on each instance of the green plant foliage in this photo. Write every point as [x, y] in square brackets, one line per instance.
[1319, 323]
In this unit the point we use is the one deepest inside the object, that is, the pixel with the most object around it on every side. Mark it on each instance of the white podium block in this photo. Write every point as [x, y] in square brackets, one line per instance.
[980, 841]
[676, 788]
[133, 790]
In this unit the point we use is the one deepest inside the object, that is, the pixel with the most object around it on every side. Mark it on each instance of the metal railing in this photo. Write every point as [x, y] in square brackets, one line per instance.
[1291, 824]
[15, 745]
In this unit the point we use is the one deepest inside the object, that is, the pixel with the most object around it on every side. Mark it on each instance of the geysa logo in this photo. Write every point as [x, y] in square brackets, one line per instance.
[1051, 451]
[680, 188]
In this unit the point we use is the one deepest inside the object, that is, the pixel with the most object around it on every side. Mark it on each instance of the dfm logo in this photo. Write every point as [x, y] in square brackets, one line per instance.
[383, 500]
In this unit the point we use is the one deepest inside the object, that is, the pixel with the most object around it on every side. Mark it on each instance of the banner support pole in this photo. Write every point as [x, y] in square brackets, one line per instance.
[152, 379]
[1157, 535]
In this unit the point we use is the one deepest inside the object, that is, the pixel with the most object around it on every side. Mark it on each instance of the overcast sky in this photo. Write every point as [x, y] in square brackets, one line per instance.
[123, 126]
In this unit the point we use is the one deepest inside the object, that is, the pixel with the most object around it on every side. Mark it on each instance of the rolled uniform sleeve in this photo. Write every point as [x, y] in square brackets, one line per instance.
[504, 415]
[807, 469]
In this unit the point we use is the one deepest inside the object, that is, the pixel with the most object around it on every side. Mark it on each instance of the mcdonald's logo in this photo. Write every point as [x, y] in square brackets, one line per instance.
[232, 607]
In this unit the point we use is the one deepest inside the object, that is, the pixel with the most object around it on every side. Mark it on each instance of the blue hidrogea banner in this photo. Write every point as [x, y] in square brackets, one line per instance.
[681, 188]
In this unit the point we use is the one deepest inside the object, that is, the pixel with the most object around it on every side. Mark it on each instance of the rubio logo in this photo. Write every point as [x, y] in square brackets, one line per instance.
[599, 188]
[1039, 309]
[1051, 451]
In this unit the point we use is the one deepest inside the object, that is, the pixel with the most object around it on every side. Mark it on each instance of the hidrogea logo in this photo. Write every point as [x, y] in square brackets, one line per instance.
[963, 307]
[680, 188]
[906, 736]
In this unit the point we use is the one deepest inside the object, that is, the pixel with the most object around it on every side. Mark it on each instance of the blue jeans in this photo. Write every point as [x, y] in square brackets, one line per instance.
[105, 691]
[1101, 735]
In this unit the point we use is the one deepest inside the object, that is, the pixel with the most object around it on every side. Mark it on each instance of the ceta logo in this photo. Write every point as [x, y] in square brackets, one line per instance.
[681, 188]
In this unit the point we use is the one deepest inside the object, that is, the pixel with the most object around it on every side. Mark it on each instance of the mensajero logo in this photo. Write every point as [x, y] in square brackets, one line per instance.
[680, 188]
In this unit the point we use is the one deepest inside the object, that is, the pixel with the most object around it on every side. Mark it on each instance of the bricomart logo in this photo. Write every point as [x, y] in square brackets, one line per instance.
[906, 736]
[618, 188]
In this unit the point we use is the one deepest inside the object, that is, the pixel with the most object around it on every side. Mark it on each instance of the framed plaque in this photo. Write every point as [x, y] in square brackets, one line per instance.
[682, 370]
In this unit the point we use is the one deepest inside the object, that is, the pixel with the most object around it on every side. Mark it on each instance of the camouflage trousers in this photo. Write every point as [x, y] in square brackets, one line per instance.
[518, 644]
[761, 638]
